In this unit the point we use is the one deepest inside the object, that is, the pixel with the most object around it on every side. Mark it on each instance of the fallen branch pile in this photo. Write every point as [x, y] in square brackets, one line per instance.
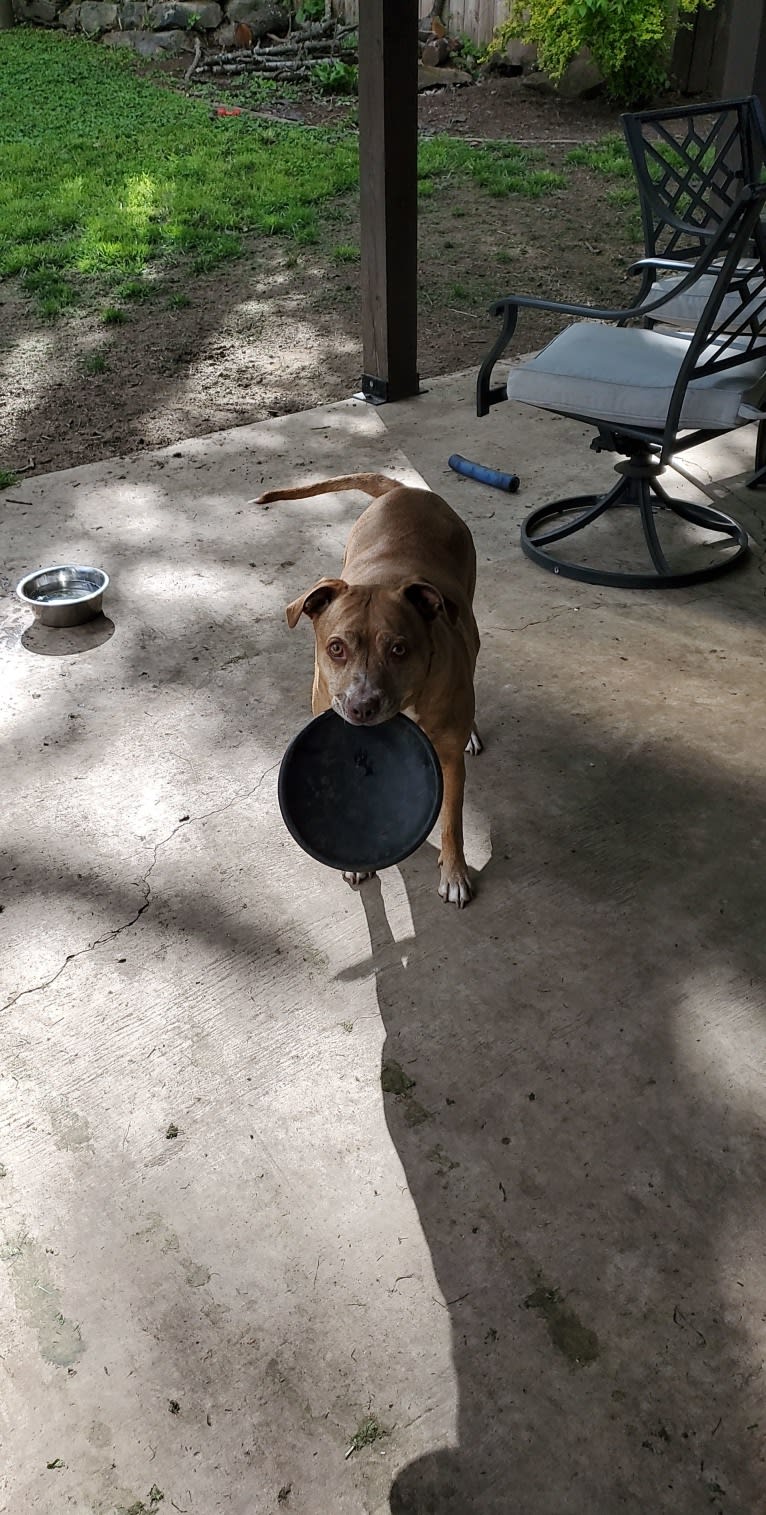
[294, 57]
[287, 58]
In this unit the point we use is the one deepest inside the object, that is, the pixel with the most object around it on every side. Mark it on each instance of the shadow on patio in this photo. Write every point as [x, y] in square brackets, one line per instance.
[575, 1170]
[581, 1134]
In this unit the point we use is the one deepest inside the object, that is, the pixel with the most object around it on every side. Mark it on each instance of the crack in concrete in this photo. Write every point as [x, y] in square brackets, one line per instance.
[90, 946]
[142, 883]
[554, 615]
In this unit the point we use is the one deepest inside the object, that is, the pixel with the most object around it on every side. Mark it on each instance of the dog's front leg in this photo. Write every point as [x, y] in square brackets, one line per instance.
[320, 701]
[455, 885]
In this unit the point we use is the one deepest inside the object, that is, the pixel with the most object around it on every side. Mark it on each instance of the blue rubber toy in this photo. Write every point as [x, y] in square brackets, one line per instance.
[492, 476]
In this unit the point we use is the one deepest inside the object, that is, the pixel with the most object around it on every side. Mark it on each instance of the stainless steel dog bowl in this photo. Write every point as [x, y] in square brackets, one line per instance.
[65, 595]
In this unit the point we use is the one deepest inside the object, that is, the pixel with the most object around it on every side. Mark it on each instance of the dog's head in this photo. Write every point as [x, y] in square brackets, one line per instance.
[374, 645]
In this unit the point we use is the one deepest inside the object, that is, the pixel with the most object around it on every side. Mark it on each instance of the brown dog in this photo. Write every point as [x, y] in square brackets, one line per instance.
[397, 633]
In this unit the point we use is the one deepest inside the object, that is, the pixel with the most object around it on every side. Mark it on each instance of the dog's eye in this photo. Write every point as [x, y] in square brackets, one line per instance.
[398, 649]
[336, 648]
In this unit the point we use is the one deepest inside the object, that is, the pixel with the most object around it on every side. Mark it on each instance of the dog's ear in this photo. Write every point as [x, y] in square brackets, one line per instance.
[314, 601]
[430, 602]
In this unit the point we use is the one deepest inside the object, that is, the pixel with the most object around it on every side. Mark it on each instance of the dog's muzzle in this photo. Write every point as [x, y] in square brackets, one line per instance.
[362, 706]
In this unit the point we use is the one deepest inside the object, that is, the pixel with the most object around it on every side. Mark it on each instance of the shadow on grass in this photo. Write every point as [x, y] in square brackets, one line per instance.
[198, 353]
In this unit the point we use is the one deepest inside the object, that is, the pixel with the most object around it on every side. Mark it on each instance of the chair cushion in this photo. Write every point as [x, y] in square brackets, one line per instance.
[625, 375]
[686, 310]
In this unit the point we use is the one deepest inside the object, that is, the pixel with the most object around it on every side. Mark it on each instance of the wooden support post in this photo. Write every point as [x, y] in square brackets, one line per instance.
[388, 150]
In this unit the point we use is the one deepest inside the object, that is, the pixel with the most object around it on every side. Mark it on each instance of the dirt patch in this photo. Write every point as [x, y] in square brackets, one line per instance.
[277, 330]
[520, 109]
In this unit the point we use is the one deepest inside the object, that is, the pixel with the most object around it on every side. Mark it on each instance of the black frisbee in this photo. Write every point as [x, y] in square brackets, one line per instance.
[360, 798]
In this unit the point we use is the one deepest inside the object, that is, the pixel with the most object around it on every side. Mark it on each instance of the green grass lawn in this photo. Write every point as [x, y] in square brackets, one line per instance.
[105, 173]
[500, 168]
[610, 157]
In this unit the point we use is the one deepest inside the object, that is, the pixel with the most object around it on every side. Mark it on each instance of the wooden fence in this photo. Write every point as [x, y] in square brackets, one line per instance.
[476, 18]
[701, 59]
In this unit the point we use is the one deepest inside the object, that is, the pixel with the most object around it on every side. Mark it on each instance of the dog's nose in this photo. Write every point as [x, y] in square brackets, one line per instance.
[364, 708]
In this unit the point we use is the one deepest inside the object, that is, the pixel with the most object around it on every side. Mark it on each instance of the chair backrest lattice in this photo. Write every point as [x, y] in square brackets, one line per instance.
[692, 166]
[738, 336]
[732, 329]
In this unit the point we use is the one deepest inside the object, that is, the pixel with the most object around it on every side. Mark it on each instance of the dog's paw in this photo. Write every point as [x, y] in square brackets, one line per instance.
[474, 745]
[455, 887]
[355, 879]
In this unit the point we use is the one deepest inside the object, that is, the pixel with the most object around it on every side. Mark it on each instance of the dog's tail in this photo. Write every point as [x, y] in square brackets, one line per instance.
[374, 484]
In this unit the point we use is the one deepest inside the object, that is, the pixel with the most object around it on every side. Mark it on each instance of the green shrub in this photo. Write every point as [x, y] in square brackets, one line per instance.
[470, 52]
[334, 77]
[629, 40]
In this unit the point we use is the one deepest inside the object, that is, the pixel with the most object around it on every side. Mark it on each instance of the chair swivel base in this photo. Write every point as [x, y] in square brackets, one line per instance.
[639, 487]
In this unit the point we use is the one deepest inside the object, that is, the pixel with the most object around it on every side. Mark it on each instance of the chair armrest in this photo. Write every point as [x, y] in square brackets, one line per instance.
[691, 273]
[488, 394]
[562, 307]
[680, 265]
[671, 264]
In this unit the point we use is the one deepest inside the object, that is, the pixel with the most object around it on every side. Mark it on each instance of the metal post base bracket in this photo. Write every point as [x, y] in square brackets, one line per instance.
[381, 392]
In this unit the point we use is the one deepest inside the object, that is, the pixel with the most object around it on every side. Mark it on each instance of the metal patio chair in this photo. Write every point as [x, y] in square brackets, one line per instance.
[650, 393]
[691, 164]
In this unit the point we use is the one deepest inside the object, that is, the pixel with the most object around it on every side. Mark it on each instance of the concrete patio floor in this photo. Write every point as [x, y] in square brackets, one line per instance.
[532, 1254]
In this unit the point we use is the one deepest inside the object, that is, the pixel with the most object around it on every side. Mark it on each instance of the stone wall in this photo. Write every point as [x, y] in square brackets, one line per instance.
[154, 28]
